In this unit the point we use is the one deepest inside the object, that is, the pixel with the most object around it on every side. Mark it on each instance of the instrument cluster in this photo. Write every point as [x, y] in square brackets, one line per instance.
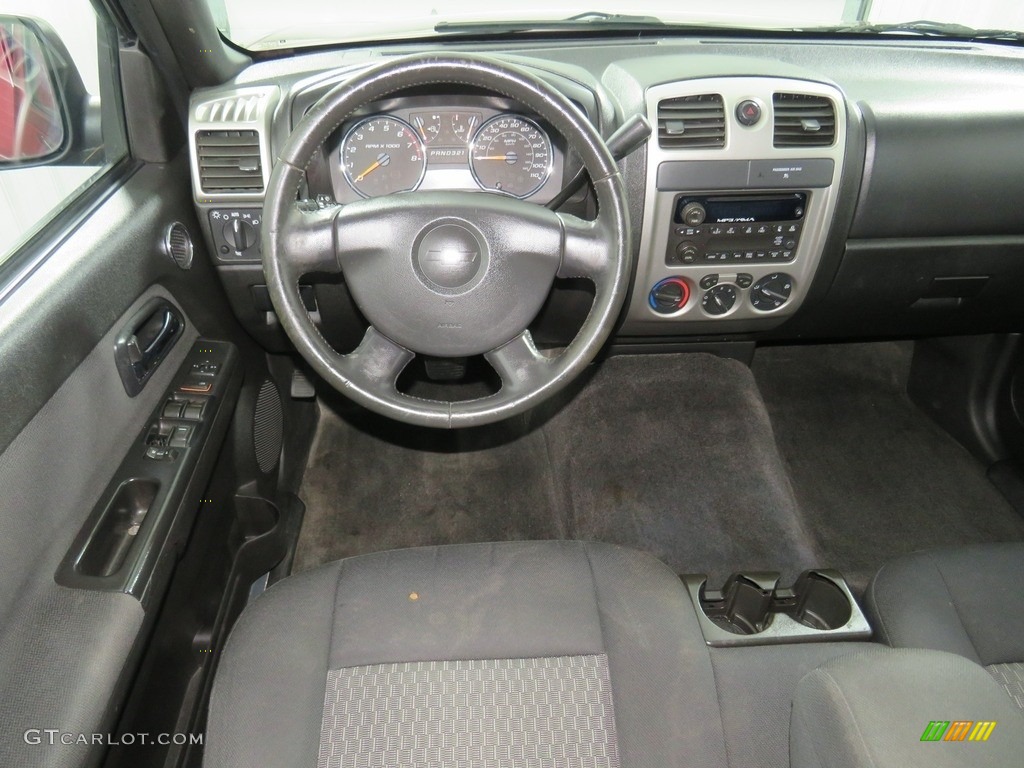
[412, 146]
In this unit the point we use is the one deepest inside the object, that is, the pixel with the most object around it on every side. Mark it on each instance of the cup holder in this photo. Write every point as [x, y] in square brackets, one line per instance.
[820, 603]
[743, 607]
[751, 608]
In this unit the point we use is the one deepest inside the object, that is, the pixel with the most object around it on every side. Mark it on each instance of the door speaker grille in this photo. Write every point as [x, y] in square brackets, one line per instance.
[268, 427]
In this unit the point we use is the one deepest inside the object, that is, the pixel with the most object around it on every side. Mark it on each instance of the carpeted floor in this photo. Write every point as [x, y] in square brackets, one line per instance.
[670, 454]
[873, 475]
[822, 461]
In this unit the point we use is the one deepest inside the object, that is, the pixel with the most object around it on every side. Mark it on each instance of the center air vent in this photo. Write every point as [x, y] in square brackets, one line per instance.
[802, 120]
[229, 161]
[692, 122]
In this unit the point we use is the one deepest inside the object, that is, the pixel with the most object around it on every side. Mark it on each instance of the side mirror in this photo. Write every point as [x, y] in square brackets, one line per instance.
[43, 102]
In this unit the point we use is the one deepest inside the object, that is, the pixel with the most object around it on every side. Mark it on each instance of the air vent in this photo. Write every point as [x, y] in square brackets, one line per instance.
[232, 109]
[178, 245]
[229, 161]
[692, 122]
[802, 120]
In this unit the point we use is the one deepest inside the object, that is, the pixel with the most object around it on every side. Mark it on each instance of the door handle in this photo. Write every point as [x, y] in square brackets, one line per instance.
[145, 342]
[149, 341]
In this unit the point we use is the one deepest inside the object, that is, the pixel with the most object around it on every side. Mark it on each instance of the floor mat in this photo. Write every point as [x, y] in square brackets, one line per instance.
[672, 454]
[873, 475]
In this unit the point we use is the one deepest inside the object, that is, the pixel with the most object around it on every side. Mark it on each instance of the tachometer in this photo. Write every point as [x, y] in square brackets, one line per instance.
[510, 154]
[382, 155]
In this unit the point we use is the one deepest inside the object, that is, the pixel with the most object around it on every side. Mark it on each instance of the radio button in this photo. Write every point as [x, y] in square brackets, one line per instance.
[761, 256]
[773, 255]
[716, 230]
[764, 229]
[748, 230]
[787, 255]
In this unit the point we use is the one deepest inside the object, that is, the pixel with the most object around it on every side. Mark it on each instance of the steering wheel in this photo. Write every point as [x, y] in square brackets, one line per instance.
[445, 273]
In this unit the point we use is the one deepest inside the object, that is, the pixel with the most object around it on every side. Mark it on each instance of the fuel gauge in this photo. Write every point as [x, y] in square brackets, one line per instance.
[428, 125]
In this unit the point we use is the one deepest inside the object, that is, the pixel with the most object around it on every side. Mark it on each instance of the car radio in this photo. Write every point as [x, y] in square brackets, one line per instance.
[735, 228]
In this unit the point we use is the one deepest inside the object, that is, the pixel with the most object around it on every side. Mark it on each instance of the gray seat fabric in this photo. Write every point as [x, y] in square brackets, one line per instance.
[903, 708]
[968, 601]
[540, 653]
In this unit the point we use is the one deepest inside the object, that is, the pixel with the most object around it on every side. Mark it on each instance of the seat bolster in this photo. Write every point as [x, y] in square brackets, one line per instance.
[268, 698]
[666, 701]
[966, 601]
[873, 710]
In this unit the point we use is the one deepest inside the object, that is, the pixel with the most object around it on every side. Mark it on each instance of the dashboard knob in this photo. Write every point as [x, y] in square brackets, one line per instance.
[694, 214]
[687, 252]
[240, 234]
[669, 295]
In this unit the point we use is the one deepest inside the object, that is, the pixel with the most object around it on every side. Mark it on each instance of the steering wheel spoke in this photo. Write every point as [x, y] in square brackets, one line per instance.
[587, 249]
[519, 364]
[309, 239]
[376, 363]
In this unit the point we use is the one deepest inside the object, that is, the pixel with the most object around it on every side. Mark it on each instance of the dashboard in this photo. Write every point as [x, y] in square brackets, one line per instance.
[792, 188]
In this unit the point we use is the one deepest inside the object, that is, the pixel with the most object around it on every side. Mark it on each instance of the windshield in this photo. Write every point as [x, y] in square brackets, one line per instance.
[269, 24]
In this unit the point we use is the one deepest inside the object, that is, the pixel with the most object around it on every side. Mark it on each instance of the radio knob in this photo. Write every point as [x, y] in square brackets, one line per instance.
[694, 214]
[687, 252]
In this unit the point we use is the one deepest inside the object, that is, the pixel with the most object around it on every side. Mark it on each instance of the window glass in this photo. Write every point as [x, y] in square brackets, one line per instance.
[55, 71]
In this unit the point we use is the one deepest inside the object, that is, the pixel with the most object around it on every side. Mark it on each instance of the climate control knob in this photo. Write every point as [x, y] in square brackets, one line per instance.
[669, 295]
[771, 291]
[719, 299]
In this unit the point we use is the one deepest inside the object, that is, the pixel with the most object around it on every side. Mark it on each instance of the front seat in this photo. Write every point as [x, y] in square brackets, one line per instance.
[520, 653]
[968, 601]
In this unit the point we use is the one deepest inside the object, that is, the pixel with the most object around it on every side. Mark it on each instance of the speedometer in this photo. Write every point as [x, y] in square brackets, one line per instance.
[382, 155]
[510, 154]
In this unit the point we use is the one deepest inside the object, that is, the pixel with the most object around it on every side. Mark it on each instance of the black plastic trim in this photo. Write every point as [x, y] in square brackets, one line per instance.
[180, 478]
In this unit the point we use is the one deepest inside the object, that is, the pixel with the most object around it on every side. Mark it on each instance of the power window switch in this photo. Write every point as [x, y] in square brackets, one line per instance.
[179, 437]
[172, 409]
[193, 412]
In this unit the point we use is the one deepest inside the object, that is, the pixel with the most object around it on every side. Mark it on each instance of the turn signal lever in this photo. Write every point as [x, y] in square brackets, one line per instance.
[627, 139]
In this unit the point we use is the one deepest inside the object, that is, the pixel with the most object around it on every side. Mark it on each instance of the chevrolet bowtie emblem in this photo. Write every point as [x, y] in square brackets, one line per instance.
[452, 257]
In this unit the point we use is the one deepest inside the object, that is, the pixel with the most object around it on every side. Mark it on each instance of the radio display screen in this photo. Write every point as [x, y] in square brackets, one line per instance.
[746, 209]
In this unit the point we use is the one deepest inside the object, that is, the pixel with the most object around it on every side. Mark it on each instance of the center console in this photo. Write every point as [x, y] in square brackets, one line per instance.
[740, 192]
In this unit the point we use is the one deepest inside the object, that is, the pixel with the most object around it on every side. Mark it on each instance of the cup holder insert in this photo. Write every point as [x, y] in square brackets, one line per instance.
[744, 604]
[748, 602]
[820, 603]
